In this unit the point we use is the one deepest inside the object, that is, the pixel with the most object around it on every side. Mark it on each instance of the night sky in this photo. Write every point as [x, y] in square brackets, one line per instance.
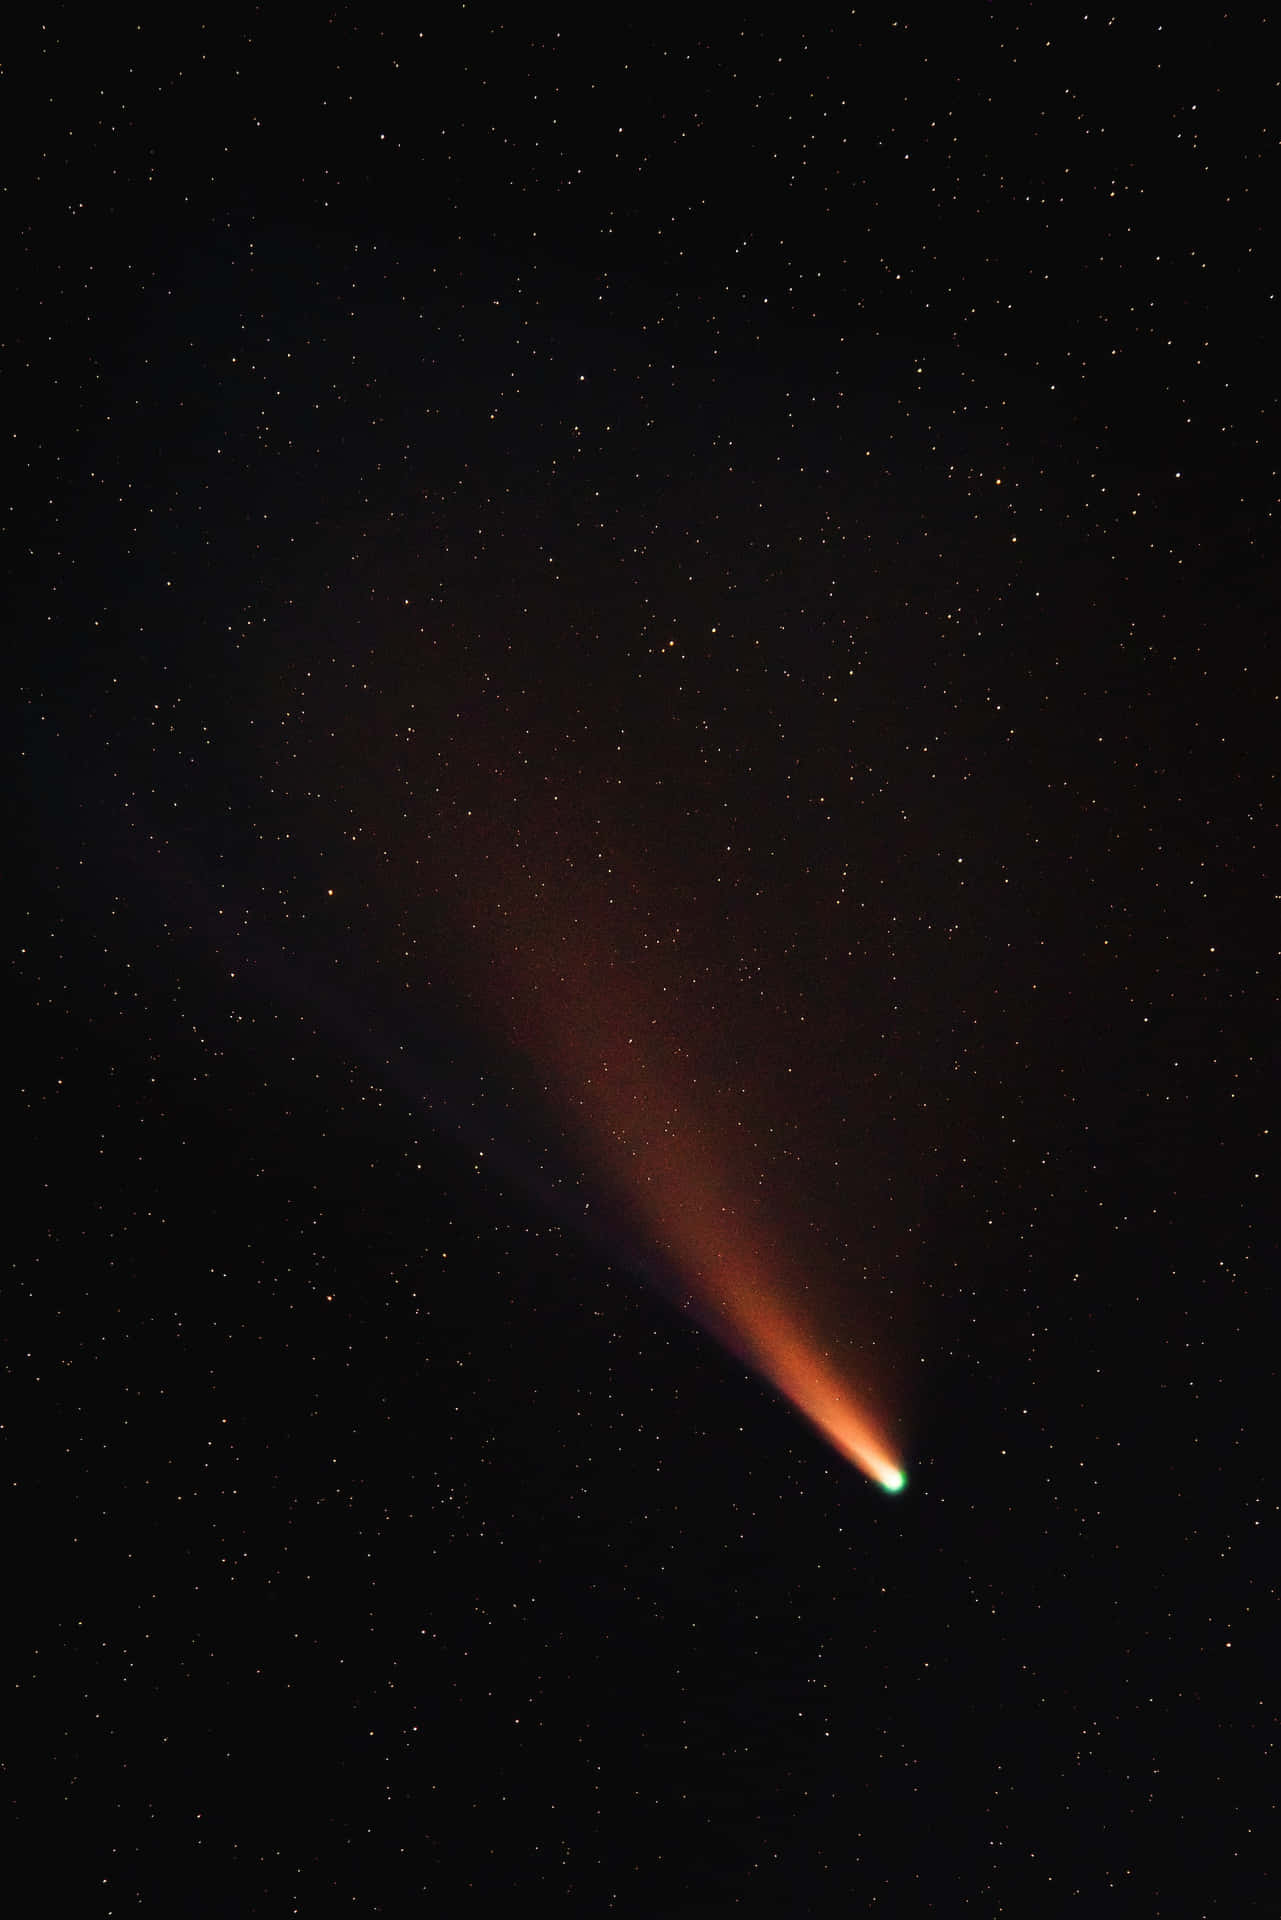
[647, 666]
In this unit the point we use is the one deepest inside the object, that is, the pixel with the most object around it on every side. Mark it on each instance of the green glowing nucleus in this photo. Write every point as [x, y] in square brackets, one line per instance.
[894, 1480]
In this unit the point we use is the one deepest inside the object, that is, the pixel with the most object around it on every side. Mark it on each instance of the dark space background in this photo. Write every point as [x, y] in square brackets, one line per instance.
[828, 470]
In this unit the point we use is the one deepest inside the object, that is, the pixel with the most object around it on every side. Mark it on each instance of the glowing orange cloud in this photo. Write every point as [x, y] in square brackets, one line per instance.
[653, 1125]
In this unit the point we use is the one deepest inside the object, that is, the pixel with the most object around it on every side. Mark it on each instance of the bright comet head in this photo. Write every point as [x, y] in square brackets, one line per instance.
[893, 1479]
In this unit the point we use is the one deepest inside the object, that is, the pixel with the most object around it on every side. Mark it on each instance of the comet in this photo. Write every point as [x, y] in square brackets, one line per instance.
[660, 1110]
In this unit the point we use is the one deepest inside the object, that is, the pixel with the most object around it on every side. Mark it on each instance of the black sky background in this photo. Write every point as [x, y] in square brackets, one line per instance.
[826, 475]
